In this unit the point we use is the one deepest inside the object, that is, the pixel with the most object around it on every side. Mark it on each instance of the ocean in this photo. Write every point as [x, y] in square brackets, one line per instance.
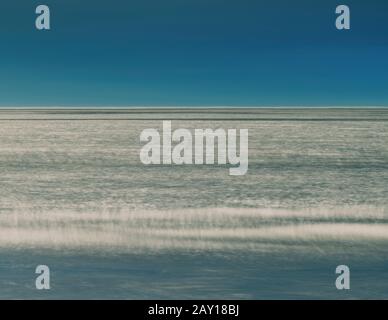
[75, 196]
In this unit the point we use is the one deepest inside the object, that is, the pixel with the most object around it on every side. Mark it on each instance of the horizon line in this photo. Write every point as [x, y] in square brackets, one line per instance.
[183, 107]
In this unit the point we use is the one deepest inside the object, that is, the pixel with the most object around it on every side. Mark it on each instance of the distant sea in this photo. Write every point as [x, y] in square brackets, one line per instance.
[75, 196]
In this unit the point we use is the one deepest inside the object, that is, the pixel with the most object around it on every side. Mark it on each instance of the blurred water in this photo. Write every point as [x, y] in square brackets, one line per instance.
[74, 191]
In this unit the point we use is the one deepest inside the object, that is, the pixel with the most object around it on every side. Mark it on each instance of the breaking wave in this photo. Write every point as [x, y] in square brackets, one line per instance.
[193, 229]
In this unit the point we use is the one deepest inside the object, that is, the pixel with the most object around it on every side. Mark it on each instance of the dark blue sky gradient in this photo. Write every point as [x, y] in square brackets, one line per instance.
[194, 52]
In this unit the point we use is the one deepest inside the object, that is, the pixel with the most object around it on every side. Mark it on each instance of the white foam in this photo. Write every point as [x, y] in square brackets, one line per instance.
[207, 228]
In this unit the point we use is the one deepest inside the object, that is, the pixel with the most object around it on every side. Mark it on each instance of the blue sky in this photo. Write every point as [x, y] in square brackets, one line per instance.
[194, 53]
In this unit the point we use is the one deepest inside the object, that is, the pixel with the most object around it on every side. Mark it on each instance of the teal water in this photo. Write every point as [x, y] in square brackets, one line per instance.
[75, 196]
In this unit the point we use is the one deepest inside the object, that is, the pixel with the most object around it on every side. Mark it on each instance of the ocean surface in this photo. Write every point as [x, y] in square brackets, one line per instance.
[75, 196]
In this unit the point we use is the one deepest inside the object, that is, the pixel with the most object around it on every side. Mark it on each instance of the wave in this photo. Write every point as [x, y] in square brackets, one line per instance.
[192, 229]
